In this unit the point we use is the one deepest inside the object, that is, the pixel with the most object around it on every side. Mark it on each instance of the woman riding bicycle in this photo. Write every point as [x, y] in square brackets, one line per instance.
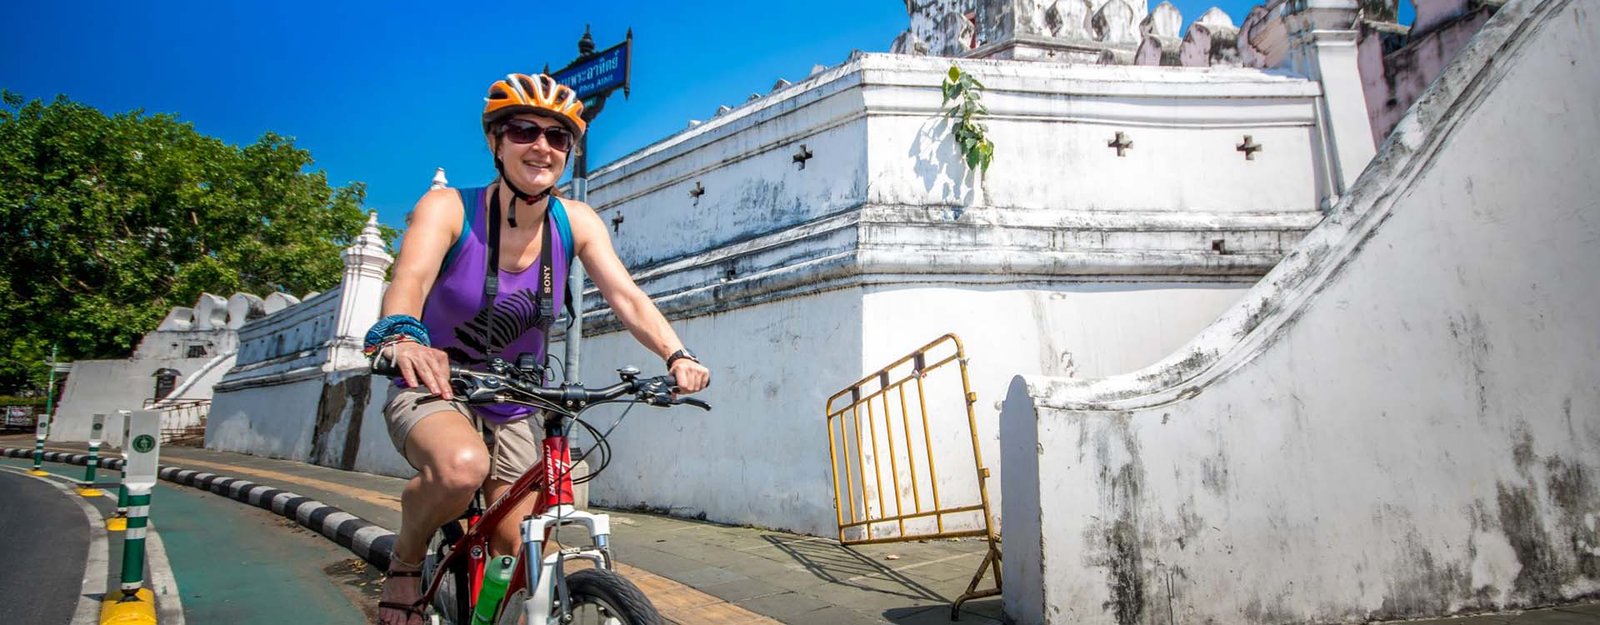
[516, 225]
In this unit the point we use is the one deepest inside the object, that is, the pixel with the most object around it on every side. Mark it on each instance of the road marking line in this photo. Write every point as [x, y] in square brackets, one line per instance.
[169, 602]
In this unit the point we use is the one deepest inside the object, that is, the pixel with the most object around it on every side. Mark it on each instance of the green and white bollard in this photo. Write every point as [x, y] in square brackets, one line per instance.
[136, 604]
[40, 431]
[133, 540]
[88, 489]
[119, 521]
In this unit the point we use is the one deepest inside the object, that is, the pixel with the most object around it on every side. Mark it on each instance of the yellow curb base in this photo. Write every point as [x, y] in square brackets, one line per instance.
[91, 492]
[38, 473]
[117, 524]
[140, 611]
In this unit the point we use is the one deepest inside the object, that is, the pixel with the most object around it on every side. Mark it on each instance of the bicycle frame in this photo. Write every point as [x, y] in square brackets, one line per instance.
[555, 508]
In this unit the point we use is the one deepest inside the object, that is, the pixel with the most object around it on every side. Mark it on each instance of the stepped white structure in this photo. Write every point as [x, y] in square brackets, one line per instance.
[193, 347]
[1399, 420]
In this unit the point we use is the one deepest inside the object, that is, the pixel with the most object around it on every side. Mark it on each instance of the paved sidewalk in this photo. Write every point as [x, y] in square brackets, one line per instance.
[705, 573]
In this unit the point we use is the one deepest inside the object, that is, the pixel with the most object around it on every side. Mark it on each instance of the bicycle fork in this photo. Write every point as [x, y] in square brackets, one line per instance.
[543, 574]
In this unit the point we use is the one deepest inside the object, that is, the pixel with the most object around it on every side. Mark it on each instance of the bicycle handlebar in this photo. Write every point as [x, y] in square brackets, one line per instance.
[493, 386]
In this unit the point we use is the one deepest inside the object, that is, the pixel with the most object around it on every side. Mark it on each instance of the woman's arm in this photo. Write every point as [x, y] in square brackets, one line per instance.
[435, 223]
[630, 303]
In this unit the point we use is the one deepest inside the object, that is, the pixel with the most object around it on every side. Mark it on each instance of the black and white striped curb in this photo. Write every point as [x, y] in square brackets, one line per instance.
[367, 540]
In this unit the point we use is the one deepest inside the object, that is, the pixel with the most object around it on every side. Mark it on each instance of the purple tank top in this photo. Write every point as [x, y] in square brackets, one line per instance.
[457, 317]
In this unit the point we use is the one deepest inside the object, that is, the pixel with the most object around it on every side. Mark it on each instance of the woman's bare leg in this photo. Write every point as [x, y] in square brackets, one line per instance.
[507, 538]
[452, 462]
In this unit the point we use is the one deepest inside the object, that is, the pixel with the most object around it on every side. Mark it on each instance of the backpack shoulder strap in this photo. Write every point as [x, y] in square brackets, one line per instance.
[558, 214]
[471, 203]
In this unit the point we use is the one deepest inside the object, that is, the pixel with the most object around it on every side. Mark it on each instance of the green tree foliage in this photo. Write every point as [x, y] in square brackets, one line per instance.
[106, 223]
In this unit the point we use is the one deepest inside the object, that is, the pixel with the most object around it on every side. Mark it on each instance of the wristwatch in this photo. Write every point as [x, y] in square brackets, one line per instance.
[681, 353]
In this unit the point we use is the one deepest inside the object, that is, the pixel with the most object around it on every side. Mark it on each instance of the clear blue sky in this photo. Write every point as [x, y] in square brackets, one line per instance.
[384, 92]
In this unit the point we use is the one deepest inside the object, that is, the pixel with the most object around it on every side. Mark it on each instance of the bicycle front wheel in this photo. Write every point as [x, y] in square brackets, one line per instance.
[599, 597]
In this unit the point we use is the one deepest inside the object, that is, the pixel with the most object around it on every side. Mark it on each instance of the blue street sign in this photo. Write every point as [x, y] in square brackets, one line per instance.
[598, 74]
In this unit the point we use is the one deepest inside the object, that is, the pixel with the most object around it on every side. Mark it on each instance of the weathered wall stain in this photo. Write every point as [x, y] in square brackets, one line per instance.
[1470, 334]
[1426, 586]
[346, 397]
[1519, 519]
[1574, 493]
[1121, 481]
[1214, 472]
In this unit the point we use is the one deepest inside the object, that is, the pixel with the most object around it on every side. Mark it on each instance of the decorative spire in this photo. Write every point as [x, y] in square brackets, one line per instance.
[586, 44]
[438, 180]
[370, 234]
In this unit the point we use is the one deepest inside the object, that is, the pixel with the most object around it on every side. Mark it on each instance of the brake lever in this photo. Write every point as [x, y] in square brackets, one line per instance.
[692, 402]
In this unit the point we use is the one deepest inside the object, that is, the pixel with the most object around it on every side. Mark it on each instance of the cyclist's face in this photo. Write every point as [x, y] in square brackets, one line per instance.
[536, 165]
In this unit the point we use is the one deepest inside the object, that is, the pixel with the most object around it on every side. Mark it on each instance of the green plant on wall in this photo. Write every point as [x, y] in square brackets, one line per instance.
[963, 94]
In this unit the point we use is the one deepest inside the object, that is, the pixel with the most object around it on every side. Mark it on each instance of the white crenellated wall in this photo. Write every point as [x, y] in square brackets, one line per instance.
[299, 389]
[793, 282]
[1398, 421]
[198, 342]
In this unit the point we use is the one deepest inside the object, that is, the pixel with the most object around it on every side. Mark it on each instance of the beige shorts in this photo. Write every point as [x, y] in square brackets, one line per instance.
[515, 446]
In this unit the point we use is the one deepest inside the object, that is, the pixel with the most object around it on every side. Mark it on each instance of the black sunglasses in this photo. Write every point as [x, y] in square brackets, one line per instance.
[525, 132]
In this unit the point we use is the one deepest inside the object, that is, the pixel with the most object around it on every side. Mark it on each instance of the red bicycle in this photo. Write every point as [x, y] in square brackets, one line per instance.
[540, 590]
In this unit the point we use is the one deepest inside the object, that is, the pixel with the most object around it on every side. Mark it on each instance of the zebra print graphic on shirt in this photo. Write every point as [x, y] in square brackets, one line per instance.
[513, 316]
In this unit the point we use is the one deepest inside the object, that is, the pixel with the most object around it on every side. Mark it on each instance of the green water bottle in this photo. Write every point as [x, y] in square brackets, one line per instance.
[496, 576]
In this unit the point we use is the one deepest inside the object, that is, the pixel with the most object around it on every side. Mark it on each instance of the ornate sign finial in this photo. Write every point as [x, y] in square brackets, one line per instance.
[586, 44]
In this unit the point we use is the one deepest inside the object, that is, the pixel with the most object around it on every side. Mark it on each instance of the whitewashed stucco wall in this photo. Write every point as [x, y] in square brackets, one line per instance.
[106, 386]
[267, 404]
[883, 238]
[1398, 421]
[761, 455]
[273, 421]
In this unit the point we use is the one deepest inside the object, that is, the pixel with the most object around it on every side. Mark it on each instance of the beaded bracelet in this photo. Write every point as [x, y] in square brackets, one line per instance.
[393, 325]
[376, 351]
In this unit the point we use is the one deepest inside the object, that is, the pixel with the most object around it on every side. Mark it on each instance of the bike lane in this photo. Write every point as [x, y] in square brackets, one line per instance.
[241, 565]
[233, 564]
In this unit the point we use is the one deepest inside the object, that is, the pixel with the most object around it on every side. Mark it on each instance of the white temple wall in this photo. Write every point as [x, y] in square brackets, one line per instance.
[1068, 330]
[1051, 125]
[881, 234]
[761, 455]
[106, 386]
[275, 421]
[1398, 421]
[744, 162]
[300, 387]
[267, 405]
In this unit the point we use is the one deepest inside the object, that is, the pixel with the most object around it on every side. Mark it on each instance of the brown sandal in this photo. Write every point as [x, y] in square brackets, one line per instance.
[409, 613]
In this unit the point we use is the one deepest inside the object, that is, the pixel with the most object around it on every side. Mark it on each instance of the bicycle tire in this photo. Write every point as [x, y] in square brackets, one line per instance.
[445, 603]
[599, 597]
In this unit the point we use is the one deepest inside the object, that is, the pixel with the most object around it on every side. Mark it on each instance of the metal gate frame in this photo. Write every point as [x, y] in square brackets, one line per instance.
[857, 397]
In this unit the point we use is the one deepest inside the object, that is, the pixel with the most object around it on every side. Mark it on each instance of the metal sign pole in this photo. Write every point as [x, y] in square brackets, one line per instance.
[136, 604]
[88, 489]
[593, 75]
[50, 389]
[580, 192]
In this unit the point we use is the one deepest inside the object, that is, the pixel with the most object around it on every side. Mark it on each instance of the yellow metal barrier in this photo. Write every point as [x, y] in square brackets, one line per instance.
[875, 427]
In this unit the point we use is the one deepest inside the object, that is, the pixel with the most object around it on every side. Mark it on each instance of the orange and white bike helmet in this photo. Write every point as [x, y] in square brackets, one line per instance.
[538, 94]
